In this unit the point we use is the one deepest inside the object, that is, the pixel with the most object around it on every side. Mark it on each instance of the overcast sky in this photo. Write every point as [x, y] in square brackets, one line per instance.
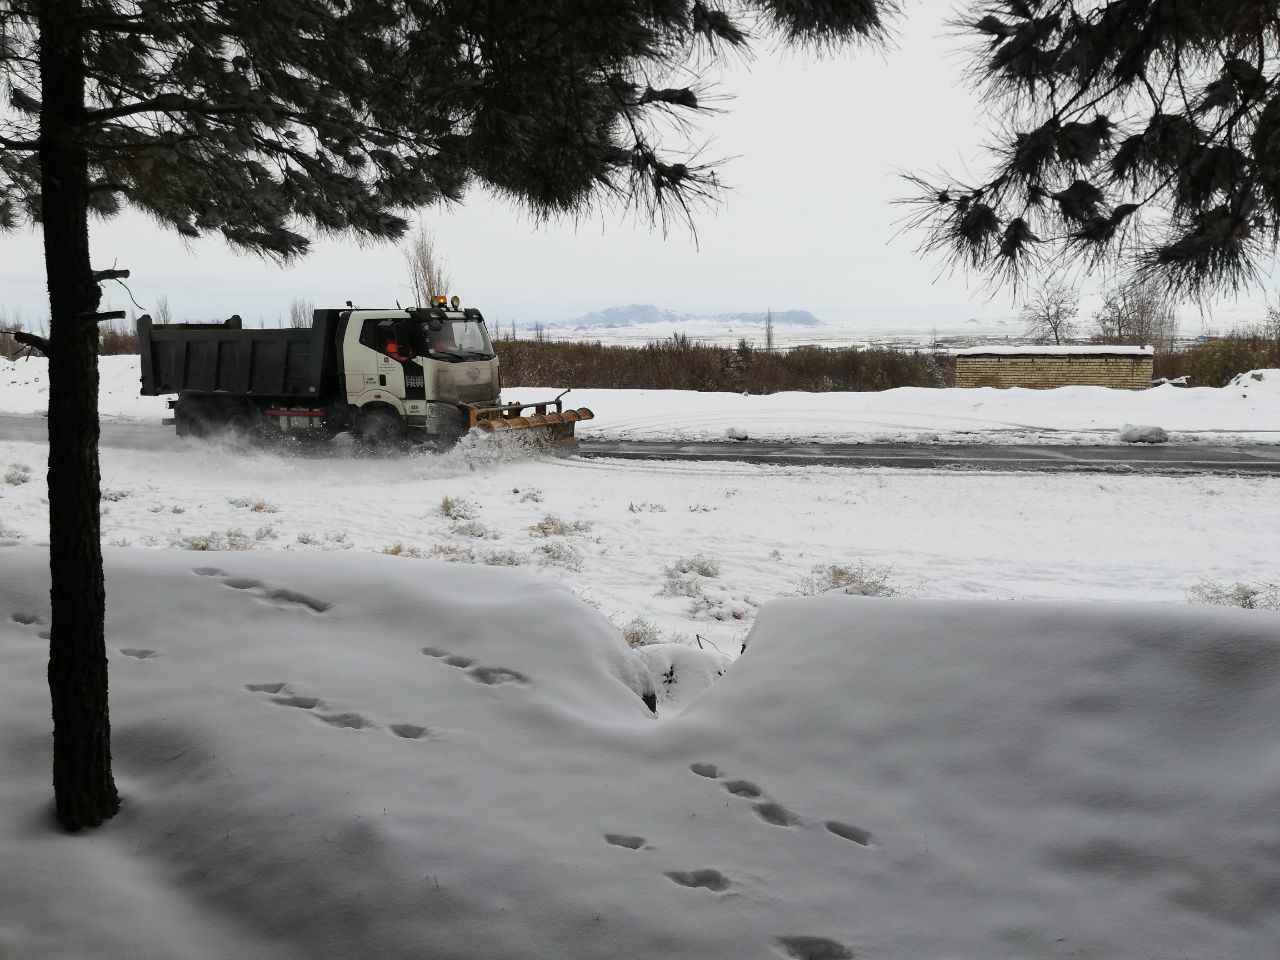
[816, 150]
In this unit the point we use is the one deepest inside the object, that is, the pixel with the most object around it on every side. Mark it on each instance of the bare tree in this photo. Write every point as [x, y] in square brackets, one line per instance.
[164, 313]
[428, 274]
[1050, 313]
[768, 331]
[1271, 325]
[1140, 312]
[300, 313]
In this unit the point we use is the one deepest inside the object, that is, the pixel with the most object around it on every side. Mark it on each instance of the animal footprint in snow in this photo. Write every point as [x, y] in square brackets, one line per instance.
[776, 814]
[138, 654]
[623, 840]
[813, 948]
[767, 810]
[490, 676]
[409, 731]
[265, 687]
[708, 879]
[849, 832]
[275, 595]
[302, 703]
[297, 599]
[26, 619]
[444, 656]
[743, 788]
[282, 695]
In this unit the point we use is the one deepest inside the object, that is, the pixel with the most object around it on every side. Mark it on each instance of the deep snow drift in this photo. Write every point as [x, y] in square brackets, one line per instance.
[1245, 411]
[340, 756]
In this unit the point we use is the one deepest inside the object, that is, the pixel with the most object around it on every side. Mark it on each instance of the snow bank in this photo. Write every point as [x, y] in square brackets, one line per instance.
[1133, 433]
[338, 756]
[981, 415]
[1258, 382]
[978, 415]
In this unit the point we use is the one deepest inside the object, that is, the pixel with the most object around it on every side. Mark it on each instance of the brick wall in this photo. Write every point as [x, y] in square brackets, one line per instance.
[1042, 371]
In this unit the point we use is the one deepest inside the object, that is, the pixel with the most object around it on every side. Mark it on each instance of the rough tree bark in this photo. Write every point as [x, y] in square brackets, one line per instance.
[84, 789]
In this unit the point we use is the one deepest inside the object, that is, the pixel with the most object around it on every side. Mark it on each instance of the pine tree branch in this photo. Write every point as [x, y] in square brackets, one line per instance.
[166, 103]
[8, 144]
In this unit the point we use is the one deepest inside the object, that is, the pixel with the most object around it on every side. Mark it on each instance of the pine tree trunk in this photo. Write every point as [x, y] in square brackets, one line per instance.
[84, 790]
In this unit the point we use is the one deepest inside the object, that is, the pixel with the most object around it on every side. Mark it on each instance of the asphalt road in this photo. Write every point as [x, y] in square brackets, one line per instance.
[1260, 459]
[1042, 458]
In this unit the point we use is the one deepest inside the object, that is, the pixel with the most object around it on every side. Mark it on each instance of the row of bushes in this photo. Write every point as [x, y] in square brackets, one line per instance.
[1214, 362]
[679, 363]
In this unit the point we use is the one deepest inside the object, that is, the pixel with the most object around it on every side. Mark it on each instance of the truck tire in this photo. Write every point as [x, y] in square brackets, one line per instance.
[379, 431]
[191, 419]
[241, 420]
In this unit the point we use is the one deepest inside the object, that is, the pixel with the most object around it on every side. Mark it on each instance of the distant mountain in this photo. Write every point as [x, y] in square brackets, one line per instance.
[639, 314]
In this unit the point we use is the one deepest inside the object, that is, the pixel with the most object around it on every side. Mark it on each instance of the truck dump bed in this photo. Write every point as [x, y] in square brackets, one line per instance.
[210, 358]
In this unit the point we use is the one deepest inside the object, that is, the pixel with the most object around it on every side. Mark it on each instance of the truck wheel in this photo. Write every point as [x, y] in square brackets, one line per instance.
[240, 421]
[378, 431]
[191, 419]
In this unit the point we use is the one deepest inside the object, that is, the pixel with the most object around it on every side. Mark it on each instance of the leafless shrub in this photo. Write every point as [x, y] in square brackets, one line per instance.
[640, 632]
[456, 508]
[473, 528]
[682, 577]
[502, 558]
[1250, 596]
[452, 553]
[553, 526]
[558, 553]
[861, 579]
[398, 549]
[235, 539]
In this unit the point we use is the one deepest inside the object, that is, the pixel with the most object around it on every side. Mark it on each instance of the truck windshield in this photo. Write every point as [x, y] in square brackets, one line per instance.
[465, 339]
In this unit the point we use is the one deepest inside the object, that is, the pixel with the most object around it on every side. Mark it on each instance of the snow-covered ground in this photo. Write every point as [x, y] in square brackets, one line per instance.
[351, 756]
[332, 744]
[1246, 412]
[617, 525]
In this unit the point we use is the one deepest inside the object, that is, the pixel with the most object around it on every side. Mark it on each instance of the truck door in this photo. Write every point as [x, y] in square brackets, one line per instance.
[379, 368]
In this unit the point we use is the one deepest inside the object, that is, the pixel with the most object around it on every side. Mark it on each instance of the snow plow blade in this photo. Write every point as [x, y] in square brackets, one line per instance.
[547, 422]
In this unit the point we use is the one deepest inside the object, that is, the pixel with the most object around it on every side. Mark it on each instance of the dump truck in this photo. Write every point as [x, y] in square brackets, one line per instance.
[386, 375]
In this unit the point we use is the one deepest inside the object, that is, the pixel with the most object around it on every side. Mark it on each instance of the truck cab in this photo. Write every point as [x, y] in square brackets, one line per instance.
[419, 365]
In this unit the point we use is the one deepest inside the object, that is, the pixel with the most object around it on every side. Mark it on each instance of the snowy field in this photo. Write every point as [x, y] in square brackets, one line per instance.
[1248, 412]
[385, 708]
